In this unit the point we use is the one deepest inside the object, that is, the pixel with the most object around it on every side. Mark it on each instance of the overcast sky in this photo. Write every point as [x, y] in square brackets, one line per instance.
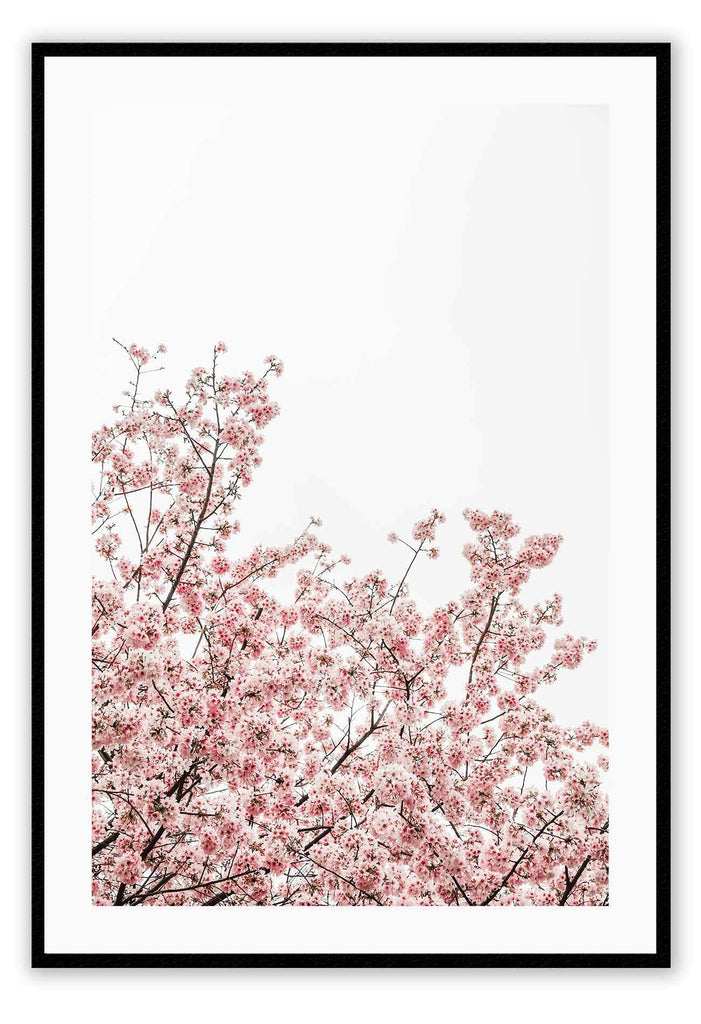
[434, 275]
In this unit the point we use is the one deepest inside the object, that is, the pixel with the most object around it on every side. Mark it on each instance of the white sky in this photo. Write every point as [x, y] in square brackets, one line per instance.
[434, 275]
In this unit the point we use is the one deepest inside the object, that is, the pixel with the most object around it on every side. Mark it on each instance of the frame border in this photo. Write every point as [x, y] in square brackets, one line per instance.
[661, 52]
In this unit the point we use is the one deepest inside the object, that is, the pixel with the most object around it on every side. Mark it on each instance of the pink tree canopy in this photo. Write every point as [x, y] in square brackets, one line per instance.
[248, 750]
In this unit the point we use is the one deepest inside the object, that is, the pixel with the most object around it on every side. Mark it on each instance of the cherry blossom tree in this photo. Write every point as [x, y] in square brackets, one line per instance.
[250, 750]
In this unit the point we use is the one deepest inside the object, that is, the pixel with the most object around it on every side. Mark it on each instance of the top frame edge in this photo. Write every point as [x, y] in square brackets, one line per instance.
[659, 50]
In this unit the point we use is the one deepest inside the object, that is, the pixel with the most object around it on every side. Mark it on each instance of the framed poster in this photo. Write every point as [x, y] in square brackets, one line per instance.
[366, 662]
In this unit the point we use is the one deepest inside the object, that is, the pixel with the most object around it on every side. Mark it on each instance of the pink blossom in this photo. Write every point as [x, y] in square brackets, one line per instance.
[342, 745]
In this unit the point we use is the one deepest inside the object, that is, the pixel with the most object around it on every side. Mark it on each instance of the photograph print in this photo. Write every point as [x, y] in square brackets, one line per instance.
[351, 369]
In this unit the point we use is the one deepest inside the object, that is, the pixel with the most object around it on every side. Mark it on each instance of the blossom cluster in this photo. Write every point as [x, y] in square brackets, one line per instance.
[251, 750]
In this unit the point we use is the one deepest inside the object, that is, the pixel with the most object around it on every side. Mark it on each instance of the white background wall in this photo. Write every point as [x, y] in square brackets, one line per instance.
[648, 995]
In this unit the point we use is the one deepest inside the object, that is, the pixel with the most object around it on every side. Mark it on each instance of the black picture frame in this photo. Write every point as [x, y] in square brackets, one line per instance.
[661, 52]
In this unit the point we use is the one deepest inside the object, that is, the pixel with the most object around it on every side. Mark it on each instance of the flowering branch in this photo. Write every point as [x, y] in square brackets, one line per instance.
[335, 746]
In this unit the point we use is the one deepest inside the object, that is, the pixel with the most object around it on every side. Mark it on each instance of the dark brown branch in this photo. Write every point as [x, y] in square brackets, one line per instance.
[359, 742]
[152, 842]
[495, 602]
[201, 518]
[515, 866]
[571, 882]
[105, 843]
[316, 839]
